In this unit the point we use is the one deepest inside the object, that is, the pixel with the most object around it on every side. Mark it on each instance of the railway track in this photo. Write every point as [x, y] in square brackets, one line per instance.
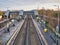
[20, 37]
[33, 35]
[27, 35]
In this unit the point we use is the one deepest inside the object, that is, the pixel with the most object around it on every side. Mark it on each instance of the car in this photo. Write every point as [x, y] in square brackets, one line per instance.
[45, 30]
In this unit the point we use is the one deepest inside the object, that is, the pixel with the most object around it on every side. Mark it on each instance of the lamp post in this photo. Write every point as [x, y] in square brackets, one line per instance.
[57, 27]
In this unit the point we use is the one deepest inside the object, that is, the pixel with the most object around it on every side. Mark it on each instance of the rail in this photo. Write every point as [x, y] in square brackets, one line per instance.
[54, 30]
[2, 29]
[4, 21]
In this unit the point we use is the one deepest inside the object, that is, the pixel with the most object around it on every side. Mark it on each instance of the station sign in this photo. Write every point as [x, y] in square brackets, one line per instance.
[35, 12]
[21, 12]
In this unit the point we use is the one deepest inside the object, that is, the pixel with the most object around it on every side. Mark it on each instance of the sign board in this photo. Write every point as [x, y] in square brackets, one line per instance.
[21, 12]
[7, 12]
[35, 12]
[57, 28]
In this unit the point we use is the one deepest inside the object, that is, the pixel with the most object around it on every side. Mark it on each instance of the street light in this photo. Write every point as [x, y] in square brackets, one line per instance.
[57, 27]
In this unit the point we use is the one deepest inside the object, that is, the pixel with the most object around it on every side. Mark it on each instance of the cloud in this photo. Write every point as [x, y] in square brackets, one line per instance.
[26, 3]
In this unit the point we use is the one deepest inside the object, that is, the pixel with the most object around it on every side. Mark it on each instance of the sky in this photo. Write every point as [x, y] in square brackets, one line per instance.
[28, 4]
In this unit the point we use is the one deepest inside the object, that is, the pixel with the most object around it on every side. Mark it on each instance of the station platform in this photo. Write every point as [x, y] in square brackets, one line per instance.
[6, 36]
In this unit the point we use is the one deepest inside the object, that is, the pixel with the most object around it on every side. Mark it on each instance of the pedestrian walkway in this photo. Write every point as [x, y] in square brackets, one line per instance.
[6, 36]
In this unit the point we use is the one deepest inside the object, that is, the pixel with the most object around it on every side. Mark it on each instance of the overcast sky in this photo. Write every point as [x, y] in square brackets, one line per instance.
[28, 4]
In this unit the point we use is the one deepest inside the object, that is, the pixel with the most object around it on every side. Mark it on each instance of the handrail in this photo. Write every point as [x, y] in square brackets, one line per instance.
[2, 28]
[4, 21]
